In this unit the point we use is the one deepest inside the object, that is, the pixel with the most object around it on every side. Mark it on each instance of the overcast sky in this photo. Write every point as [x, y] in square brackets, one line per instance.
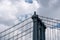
[11, 9]
[50, 8]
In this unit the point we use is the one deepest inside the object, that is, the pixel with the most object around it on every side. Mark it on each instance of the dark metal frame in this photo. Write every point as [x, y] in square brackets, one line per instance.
[38, 28]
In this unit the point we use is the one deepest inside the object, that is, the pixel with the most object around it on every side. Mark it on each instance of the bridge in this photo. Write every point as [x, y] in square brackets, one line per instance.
[33, 28]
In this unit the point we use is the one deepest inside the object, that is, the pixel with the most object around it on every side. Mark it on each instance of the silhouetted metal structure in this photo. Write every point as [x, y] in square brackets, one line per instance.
[38, 28]
[33, 28]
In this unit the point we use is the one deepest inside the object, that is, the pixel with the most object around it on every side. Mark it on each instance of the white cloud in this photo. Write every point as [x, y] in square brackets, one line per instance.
[2, 26]
[24, 7]
[10, 9]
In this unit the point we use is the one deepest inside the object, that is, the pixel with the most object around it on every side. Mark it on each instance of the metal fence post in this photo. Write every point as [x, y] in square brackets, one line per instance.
[42, 28]
[35, 25]
[38, 28]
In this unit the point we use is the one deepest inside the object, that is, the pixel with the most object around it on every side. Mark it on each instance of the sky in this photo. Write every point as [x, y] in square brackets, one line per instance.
[50, 8]
[11, 10]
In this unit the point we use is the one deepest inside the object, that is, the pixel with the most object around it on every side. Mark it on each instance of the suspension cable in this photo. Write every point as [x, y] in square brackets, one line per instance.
[15, 30]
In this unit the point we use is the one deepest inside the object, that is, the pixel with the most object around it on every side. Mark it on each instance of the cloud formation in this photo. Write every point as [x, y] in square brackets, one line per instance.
[50, 8]
[10, 9]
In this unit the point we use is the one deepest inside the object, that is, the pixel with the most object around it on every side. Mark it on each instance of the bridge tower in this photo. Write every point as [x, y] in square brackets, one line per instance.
[38, 28]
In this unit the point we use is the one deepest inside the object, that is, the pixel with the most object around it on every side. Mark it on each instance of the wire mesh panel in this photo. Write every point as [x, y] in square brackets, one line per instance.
[20, 31]
[53, 28]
